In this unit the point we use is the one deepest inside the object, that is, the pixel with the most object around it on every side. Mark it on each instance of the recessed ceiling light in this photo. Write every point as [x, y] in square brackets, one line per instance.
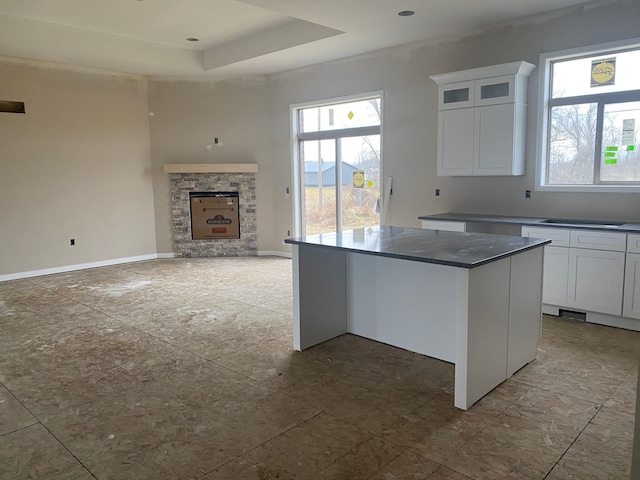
[406, 13]
[193, 39]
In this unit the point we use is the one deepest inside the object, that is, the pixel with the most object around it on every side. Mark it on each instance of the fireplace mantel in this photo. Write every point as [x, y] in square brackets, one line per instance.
[210, 167]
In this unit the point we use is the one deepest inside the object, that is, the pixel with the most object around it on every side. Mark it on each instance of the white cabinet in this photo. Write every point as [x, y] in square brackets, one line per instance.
[481, 120]
[555, 276]
[596, 240]
[556, 263]
[444, 225]
[633, 243]
[596, 280]
[455, 141]
[631, 304]
[499, 140]
[583, 269]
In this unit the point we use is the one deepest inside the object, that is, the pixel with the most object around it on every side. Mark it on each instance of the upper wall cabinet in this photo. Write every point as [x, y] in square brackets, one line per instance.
[481, 120]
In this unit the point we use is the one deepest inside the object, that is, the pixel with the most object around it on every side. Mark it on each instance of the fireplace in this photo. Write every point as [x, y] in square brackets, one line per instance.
[214, 215]
[201, 231]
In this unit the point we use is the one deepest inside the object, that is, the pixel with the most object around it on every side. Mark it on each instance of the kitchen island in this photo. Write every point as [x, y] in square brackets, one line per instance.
[466, 298]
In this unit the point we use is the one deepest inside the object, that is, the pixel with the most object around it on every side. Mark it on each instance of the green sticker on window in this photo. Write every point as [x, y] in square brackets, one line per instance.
[631, 148]
[609, 154]
[610, 161]
[611, 149]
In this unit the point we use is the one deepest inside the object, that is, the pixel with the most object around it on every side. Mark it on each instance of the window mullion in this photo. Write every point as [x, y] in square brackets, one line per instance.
[598, 146]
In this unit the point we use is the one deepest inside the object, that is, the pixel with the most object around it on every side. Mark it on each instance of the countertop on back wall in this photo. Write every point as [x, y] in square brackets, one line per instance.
[605, 225]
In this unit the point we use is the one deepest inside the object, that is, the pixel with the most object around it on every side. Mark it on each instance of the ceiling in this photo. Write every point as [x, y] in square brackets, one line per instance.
[236, 37]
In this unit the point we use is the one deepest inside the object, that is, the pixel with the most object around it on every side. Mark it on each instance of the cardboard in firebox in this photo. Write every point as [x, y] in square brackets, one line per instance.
[214, 215]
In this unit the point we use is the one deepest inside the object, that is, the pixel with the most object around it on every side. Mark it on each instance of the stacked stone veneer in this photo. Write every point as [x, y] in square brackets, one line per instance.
[243, 183]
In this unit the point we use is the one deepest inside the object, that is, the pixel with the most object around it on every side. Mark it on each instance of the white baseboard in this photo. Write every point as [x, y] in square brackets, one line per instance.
[613, 321]
[79, 266]
[269, 253]
[167, 255]
[105, 263]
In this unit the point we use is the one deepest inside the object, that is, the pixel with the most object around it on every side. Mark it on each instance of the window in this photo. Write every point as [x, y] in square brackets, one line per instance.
[589, 135]
[337, 164]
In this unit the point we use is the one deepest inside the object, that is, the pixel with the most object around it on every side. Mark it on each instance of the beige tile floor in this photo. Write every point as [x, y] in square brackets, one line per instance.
[184, 369]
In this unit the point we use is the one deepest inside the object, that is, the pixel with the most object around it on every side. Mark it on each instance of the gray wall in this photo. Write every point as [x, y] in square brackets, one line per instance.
[257, 116]
[76, 165]
[86, 161]
[187, 117]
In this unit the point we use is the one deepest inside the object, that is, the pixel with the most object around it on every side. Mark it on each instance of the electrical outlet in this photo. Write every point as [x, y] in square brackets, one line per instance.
[288, 233]
[437, 192]
[72, 242]
[527, 194]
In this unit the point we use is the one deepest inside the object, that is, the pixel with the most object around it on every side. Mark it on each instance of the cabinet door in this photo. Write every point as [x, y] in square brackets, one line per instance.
[555, 276]
[495, 127]
[456, 95]
[455, 141]
[596, 280]
[631, 304]
[495, 90]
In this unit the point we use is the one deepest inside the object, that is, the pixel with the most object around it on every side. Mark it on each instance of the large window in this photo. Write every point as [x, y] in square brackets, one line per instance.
[337, 164]
[590, 119]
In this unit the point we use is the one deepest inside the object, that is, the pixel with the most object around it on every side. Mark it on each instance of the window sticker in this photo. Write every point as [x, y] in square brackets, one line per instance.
[358, 179]
[603, 72]
[629, 131]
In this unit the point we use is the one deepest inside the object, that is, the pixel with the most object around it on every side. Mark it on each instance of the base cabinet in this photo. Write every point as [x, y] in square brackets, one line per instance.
[631, 304]
[595, 280]
[556, 273]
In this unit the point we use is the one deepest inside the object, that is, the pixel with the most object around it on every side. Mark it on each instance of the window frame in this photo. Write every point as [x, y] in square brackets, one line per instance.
[297, 137]
[544, 109]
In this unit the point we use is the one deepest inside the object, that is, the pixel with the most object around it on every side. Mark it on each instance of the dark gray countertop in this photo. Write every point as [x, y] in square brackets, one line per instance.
[466, 250]
[538, 222]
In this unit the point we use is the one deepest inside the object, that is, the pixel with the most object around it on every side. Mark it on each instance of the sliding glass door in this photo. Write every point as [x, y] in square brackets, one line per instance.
[338, 165]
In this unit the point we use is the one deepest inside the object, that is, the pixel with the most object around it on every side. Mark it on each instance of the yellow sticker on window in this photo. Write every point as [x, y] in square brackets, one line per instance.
[603, 72]
[358, 179]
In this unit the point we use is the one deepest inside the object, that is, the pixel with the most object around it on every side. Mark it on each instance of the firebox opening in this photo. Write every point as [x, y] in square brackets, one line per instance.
[214, 215]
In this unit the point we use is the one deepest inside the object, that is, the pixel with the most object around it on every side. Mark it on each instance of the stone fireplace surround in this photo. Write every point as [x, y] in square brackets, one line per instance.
[186, 178]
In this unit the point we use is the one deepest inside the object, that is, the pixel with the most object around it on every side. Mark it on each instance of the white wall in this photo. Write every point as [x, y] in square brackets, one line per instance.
[76, 165]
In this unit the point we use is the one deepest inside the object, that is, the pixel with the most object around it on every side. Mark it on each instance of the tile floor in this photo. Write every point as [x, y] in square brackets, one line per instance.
[184, 369]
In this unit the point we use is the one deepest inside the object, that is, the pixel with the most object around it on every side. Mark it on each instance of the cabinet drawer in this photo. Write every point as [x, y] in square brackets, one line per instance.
[633, 243]
[616, 242]
[444, 225]
[559, 236]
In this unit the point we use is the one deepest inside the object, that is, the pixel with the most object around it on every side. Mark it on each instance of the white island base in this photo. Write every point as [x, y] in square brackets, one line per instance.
[486, 320]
